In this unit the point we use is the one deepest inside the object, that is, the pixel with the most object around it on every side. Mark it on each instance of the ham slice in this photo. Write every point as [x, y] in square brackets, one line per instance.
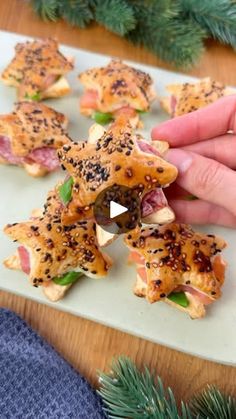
[203, 298]
[219, 266]
[153, 201]
[148, 148]
[44, 156]
[173, 103]
[89, 99]
[136, 258]
[6, 153]
[24, 259]
[49, 80]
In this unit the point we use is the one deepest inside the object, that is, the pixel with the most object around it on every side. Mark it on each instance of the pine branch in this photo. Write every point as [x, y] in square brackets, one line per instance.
[129, 393]
[172, 29]
[76, 12]
[115, 15]
[218, 17]
[162, 30]
[212, 404]
[46, 9]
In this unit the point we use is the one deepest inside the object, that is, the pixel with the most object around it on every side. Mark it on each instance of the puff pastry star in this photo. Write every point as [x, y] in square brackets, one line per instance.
[117, 157]
[37, 65]
[55, 249]
[174, 257]
[188, 97]
[117, 85]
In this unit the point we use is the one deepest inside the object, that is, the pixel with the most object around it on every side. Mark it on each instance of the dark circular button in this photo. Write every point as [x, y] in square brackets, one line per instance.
[117, 209]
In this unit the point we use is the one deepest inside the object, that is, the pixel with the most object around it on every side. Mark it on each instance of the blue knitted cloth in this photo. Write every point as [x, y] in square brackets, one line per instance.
[35, 382]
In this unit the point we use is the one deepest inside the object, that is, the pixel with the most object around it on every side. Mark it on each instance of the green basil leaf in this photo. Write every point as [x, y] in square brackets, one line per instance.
[102, 118]
[190, 197]
[36, 96]
[179, 298]
[68, 278]
[141, 112]
[65, 190]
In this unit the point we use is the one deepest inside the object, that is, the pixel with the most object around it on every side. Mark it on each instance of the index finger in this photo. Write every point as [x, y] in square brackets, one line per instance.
[203, 124]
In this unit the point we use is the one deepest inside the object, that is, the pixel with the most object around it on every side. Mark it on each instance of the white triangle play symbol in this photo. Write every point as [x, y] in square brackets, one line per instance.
[116, 209]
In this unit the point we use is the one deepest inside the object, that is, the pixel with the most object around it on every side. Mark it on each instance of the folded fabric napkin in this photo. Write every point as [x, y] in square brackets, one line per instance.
[35, 382]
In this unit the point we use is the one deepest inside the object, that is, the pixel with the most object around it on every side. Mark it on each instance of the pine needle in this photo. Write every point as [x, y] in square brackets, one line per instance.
[130, 393]
[115, 15]
[76, 12]
[163, 31]
[212, 404]
[218, 17]
[46, 9]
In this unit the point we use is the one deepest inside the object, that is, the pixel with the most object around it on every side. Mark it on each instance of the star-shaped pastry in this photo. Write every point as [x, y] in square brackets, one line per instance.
[37, 70]
[30, 136]
[117, 157]
[188, 97]
[114, 89]
[176, 258]
[51, 249]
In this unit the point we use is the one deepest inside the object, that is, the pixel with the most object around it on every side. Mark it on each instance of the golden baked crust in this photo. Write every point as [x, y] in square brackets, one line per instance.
[115, 158]
[118, 85]
[175, 255]
[192, 96]
[56, 249]
[33, 64]
[34, 125]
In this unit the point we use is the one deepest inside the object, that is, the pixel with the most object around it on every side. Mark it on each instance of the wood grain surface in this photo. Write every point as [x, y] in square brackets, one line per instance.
[87, 345]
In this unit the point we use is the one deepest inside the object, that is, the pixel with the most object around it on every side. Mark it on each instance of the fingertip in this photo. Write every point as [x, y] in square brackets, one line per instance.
[158, 133]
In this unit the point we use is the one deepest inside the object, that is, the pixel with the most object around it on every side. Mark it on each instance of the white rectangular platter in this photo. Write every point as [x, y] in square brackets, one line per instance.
[110, 301]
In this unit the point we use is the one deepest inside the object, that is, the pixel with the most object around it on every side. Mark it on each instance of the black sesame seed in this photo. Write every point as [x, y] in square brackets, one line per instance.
[158, 282]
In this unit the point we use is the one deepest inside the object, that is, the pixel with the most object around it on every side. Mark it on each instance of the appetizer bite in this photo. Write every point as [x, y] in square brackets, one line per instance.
[116, 89]
[38, 70]
[178, 266]
[189, 97]
[117, 157]
[53, 255]
[30, 135]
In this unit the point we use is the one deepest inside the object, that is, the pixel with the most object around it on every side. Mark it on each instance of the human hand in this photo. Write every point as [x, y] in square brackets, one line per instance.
[205, 154]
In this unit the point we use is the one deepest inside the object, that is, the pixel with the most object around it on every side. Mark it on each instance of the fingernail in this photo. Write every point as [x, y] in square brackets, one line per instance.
[179, 158]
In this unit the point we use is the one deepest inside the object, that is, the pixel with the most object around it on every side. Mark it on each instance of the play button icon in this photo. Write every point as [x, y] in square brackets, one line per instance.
[117, 209]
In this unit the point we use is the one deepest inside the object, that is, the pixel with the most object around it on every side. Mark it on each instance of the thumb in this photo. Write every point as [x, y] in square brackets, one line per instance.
[205, 178]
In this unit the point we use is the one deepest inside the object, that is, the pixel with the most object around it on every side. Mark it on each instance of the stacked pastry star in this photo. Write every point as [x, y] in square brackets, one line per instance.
[49, 249]
[117, 157]
[38, 70]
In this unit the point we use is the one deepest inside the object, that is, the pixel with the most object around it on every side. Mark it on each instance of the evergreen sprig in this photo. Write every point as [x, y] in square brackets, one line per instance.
[76, 12]
[117, 16]
[218, 17]
[47, 9]
[174, 30]
[175, 40]
[212, 404]
[128, 393]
